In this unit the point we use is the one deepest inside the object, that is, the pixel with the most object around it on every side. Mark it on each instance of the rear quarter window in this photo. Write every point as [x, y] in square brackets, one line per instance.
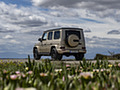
[56, 34]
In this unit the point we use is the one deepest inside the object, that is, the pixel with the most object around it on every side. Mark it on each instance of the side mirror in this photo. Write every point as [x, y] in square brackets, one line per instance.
[40, 39]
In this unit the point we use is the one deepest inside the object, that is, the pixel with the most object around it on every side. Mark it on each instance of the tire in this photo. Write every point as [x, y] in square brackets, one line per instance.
[55, 55]
[72, 40]
[36, 55]
[79, 56]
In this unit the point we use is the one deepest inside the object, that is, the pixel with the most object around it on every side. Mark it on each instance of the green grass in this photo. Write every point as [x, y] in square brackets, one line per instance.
[47, 75]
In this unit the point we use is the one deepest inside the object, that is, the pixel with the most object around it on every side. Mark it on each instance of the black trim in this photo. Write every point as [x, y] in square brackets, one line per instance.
[69, 54]
[76, 40]
[44, 53]
[63, 28]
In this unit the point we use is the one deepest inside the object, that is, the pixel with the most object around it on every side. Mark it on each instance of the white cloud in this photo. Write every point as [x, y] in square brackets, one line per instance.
[89, 4]
[14, 42]
[37, 2]
[102, 8]
[101, 45]
[21, 19]
[8, 37]
[103, 42]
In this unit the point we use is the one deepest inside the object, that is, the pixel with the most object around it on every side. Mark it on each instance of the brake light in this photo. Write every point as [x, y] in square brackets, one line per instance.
[83, 47]
[63, 48]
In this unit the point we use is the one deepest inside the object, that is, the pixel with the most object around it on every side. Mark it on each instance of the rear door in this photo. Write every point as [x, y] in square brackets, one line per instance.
[49, 41]
[73, 39]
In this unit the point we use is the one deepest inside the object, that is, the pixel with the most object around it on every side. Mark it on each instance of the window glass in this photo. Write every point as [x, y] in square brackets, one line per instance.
[44, 36]
[50, 35]
[56, 34]
[69, 32]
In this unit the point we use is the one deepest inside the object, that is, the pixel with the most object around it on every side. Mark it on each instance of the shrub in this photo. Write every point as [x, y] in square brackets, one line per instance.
[107, 57]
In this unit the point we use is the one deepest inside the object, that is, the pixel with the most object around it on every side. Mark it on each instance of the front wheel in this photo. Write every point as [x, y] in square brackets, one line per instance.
[36, 55]
[55, 55]
[79, 56]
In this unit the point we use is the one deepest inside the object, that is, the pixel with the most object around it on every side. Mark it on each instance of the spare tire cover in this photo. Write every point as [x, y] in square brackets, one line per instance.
[73, 40]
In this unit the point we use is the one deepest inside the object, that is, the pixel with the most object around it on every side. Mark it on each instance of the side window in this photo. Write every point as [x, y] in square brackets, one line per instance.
[44, 36]
[50, 35]
[56, 34]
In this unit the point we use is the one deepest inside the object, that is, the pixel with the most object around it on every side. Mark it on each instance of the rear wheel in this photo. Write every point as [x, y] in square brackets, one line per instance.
[55, 55]
[79, 56]
[36, 55]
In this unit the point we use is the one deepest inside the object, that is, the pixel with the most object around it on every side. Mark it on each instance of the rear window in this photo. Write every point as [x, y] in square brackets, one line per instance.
[56, 34]
[69, 32]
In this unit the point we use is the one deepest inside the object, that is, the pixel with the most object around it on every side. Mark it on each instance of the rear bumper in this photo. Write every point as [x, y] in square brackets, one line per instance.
[60, 51]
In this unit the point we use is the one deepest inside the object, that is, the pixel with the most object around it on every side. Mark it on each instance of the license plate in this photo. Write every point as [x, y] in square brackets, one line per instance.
[73, 51]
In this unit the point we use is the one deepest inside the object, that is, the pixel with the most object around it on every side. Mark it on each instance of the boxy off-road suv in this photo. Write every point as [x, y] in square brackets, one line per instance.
[59, 42]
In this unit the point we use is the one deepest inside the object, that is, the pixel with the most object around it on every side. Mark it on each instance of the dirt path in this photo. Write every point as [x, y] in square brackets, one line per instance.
[65, 61]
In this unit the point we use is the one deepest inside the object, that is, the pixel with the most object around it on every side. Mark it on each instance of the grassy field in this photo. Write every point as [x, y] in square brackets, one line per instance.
[47, 75]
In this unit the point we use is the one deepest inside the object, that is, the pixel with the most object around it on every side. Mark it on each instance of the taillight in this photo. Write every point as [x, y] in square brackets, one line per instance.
[83, 47]
[63, 48]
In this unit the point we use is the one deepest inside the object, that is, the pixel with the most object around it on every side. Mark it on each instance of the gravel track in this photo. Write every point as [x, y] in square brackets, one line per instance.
[65, 61]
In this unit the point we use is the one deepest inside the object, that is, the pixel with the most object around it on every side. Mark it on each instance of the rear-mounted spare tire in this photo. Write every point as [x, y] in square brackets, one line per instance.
[72, 40]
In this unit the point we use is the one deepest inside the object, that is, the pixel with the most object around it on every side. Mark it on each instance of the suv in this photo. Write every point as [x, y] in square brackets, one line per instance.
[59, 42]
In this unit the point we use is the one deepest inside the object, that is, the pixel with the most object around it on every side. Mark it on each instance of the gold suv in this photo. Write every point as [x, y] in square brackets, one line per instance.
[59, 42]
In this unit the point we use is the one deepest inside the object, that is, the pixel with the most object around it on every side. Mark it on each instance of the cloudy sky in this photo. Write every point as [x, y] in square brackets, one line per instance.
[23, 21]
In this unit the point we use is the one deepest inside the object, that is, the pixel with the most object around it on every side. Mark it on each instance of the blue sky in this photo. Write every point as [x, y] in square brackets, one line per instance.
[23, 21]
[18, 2]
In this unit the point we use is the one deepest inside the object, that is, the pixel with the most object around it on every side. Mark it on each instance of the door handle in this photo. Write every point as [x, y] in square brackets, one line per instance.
[50, 43]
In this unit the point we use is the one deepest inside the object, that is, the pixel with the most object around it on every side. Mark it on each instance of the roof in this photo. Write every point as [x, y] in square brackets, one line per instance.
[63, 28]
